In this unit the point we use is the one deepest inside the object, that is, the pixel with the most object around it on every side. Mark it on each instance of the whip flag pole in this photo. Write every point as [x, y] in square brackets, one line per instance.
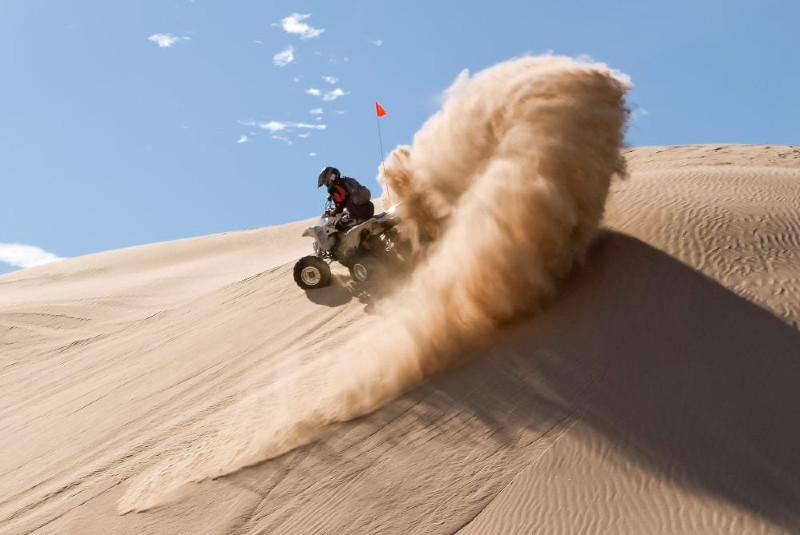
[380, 112]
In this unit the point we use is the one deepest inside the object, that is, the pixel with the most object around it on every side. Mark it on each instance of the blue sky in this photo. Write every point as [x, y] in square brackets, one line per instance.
[132, 122]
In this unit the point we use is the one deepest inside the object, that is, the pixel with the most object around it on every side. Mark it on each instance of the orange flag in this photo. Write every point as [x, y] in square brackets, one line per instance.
[379, 109]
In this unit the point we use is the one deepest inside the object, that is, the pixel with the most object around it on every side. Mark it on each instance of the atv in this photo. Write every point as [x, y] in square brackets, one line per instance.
[365, 248]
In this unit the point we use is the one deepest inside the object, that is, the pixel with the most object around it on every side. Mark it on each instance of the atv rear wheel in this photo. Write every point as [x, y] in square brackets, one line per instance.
[364, 268]
[312, 272]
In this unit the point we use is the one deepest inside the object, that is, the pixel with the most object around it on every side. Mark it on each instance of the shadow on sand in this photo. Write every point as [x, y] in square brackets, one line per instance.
[338, 293]
[682, 375]
[343, 289]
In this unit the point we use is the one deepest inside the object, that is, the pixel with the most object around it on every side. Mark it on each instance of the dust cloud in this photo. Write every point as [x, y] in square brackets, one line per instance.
[502, 192]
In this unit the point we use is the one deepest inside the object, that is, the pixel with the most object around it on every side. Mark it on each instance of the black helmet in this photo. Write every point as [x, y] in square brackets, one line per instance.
[327, 177]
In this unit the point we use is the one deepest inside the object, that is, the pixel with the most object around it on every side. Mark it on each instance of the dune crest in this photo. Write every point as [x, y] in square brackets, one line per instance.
[503, 190]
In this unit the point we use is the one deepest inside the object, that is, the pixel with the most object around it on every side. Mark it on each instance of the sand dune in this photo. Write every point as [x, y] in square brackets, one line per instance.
[656, 395]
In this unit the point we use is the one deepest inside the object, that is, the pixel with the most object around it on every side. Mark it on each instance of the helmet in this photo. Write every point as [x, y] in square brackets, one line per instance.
[327, 177]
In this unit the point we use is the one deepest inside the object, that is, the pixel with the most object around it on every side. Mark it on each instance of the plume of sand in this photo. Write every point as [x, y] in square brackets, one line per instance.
[502, 191]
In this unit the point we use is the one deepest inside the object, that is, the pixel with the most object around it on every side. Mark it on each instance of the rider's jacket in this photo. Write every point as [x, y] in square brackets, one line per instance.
[339, 196]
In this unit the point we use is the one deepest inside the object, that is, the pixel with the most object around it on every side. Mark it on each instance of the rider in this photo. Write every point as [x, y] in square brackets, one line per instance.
[342, 198]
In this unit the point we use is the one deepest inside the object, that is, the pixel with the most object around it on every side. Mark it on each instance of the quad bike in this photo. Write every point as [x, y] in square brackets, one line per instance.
[365, 248]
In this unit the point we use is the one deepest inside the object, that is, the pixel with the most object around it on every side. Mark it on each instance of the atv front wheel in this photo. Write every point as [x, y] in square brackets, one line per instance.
[312, 272]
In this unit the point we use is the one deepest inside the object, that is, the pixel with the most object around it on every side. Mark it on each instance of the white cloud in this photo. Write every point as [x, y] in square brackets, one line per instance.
[310, 126]
[280, 130]
[273, 126]
[282, 139]
[312, 154]
[378, 42]
[294, 24]
[166, 40]
[330, 79]
[333, 95]
[282, 59]
[316, 111]
[327, 96]
[258, 42]
[25, 256]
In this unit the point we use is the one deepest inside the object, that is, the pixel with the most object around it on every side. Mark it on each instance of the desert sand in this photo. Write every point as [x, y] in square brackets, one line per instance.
[657, 394]
[650, 387]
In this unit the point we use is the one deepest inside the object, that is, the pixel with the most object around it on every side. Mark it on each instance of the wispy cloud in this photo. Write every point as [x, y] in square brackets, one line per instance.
[293, 24]
[312, 154]
[327, 96]
[243, 139]
[377, 42]
[316, 111]
[282, 59]
[278, 126]
[25, 256]
[330, 79]
[273, 126]
[283, 139]
[282, 130]
[166, 40]
[333, 95]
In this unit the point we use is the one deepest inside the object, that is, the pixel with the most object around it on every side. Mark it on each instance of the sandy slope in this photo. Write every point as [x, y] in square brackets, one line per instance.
[658, 395]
